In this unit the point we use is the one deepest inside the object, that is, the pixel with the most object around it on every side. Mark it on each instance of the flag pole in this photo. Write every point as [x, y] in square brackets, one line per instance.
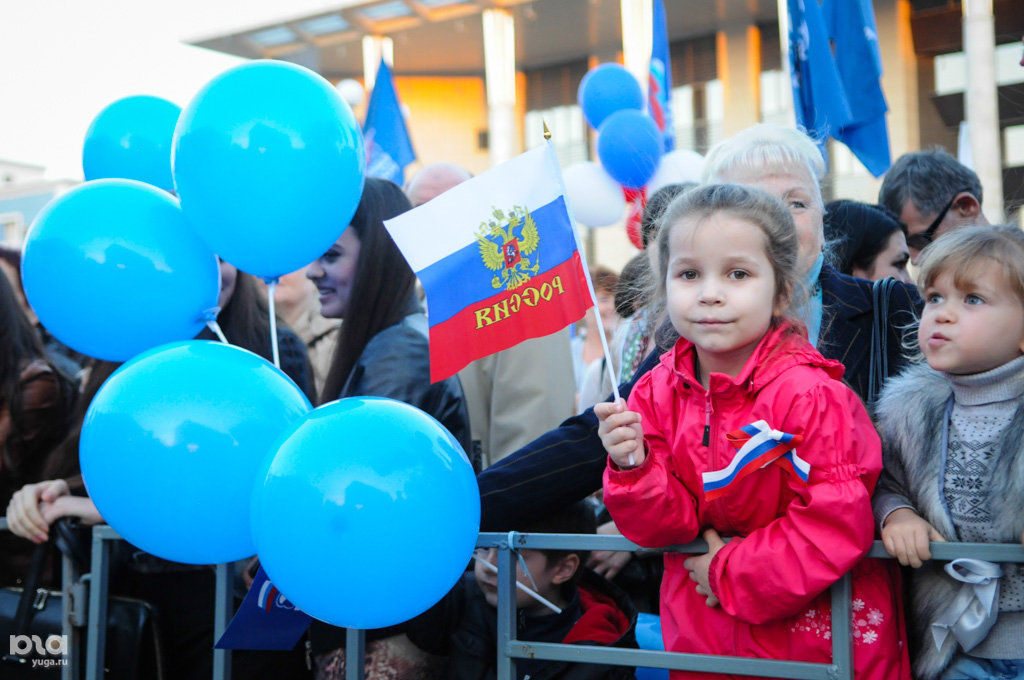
[586, 268]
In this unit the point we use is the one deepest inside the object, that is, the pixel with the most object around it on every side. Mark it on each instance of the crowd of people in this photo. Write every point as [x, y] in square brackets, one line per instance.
[750, 344]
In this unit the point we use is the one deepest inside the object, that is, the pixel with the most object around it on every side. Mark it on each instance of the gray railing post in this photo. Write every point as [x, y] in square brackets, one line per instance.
[99, 585]
[842, 640]
[223, 608]
[506, 607]
[355, 654]
[71, 632]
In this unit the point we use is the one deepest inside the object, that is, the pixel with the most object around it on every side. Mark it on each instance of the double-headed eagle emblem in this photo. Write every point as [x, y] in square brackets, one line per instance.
[504, 251]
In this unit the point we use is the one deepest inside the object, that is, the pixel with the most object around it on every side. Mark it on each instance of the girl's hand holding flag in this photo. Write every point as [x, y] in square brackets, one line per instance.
[621, 433]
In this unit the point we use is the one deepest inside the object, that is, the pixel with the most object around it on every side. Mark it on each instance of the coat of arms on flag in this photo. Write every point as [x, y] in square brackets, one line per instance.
[505, 250]
[498, 258]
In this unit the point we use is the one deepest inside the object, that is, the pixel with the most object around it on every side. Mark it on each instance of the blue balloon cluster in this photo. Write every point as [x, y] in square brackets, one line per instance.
[174, 441]
[131, 139]
[268, 162]
[368, 514]
[112, 268]
[629, 143]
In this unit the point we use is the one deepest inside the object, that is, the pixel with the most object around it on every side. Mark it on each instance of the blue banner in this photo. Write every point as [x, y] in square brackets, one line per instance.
[851, 24]
[820, 105]
[266, 620]
[388, 147]
[659, 93]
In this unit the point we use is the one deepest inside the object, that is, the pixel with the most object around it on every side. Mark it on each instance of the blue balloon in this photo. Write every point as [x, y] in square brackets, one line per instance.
[268, 162]
[630, 147]
[368, 514]
[606, 89]
[131, 139]
[112, 268]
[648, 636]
[174, 441]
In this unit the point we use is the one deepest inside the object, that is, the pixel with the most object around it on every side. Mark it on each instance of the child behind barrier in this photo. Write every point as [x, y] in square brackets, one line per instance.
[744, 430]
[953, 433]
[464, 625]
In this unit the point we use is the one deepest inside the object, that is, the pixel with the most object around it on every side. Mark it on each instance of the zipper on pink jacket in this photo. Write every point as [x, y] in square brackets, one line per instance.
[706, 441]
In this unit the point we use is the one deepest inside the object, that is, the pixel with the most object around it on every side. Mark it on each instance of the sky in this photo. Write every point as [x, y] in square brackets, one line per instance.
[63, 61]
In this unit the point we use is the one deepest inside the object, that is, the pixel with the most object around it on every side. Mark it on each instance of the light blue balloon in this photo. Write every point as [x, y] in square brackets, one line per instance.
[606, 89]
[112, 268]
[368, 513]
[174, 441]
[648, 636]
[630, 147]
[131, 139]
[268, 162]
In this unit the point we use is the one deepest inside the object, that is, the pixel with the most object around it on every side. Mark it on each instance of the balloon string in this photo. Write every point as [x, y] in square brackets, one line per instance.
[271, 289]
[215, 327]
[535, 595]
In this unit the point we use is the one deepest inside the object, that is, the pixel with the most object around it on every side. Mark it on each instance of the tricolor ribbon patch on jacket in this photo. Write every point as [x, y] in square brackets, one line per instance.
[757, 446]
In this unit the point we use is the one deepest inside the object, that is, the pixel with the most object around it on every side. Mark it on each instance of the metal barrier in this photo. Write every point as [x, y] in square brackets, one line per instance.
[509, 648]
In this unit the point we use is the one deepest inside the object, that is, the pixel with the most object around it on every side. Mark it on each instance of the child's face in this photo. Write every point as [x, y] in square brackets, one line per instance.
[974, 330]
[548, 578]
[720, 289]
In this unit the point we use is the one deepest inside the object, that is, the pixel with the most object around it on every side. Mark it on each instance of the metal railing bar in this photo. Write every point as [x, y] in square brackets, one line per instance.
[842, 639]
[224, 609]
[355, 650]
[99, 585]
[614, 656]
[994, 552]
[506, 609]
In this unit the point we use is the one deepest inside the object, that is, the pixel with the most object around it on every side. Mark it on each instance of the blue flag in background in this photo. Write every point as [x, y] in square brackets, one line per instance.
[659, 92]
[388, 147]
[851, 23]
[818, 99]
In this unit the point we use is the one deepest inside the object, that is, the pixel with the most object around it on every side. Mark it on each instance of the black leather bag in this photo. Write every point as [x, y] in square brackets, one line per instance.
[133, 646]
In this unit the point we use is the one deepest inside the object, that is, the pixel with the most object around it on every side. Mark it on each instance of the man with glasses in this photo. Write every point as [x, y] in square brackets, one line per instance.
[932, 193]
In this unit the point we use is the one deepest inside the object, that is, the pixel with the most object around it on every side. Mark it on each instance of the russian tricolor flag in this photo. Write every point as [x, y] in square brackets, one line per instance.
[498, 258]
[757, 446]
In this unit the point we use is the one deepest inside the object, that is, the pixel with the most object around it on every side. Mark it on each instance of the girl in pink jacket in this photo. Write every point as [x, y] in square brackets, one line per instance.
[745, 431]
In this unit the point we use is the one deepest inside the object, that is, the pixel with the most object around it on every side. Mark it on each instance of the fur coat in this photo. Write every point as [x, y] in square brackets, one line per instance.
[913, 418]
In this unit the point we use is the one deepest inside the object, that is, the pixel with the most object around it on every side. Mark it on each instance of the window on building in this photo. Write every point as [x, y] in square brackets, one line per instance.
[1013, 146]
[951, 69]
[776, 98]
[551, 97]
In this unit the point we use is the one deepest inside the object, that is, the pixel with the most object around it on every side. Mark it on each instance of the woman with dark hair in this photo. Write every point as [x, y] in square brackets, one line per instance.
[867, 241]
[35, 408]
[382, 351]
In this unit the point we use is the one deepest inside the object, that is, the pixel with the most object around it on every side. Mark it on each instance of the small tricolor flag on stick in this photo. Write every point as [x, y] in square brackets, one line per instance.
[498, 258]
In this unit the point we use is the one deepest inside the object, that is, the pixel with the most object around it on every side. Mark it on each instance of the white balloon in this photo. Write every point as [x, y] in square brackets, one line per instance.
[595, 197]
[676, 167]
[352, 92]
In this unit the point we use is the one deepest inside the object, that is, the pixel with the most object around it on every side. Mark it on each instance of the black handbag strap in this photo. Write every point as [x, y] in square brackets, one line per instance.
[878, 369]
[28, 590]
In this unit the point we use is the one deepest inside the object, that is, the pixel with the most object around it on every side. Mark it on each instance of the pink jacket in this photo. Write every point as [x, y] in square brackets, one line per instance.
[791, 539]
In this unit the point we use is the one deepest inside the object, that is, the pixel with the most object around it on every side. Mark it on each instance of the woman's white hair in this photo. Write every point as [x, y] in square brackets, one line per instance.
[764, 148]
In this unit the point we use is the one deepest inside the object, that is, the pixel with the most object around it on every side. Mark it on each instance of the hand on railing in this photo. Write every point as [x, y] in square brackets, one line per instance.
[609, 563]
[906, 535]
[36, 506]
[700, 566]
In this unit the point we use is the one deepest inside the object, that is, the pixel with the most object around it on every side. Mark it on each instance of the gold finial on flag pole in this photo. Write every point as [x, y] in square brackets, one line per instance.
[547, 132]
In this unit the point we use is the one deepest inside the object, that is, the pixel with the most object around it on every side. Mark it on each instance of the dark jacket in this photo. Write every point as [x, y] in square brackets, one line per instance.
[565, 465]
[396, 364]
[464, 627]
